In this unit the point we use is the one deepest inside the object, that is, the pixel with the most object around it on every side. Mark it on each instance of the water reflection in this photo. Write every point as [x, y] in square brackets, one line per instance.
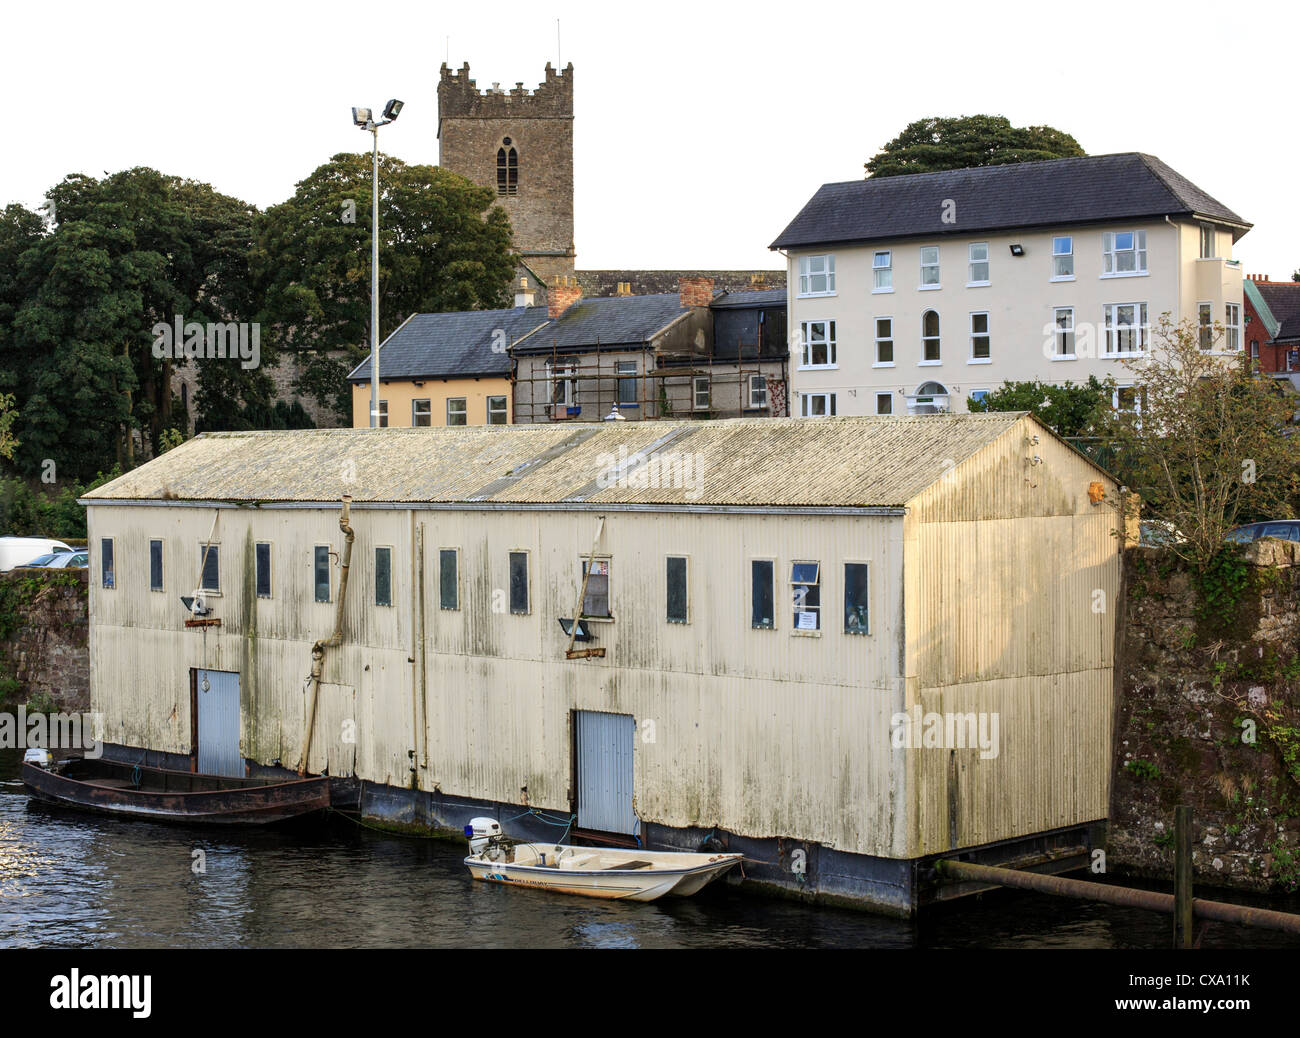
[75, 880]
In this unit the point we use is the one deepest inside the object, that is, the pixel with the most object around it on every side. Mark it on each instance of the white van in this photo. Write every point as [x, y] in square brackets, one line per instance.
[18, 551]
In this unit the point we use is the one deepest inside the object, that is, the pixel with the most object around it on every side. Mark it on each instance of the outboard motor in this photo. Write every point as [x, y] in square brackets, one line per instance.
[38, 757]
[485, 837]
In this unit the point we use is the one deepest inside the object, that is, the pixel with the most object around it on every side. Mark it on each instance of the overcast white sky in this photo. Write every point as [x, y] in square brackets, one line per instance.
[701, 128]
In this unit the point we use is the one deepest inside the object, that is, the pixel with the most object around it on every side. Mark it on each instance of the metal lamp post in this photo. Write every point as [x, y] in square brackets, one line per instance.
[362, 117]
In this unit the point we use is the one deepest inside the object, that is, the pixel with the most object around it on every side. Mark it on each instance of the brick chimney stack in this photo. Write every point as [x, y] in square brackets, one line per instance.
[695, 291]
[562, 295]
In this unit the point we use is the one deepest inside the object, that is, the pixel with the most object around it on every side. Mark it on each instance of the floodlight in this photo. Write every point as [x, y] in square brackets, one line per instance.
[393, 109]
[361, 116]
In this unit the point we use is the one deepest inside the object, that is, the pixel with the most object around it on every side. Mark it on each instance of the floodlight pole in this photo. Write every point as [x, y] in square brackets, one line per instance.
[374, 281]
[372, 124]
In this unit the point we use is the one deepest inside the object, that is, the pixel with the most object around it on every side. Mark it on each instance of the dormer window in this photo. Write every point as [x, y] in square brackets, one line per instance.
[507, 168]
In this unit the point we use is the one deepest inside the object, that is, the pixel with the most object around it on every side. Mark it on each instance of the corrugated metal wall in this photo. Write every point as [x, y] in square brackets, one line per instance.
[1016, 575]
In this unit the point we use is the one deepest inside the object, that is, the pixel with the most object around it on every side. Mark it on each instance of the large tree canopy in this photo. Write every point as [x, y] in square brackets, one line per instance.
[443, 246]
[936, 143]
[128, 252]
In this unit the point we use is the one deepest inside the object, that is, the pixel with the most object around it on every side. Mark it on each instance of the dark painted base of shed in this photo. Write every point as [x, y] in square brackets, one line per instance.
[779, 867]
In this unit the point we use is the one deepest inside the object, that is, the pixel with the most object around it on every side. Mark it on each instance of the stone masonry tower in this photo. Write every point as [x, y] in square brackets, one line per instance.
[520, 144]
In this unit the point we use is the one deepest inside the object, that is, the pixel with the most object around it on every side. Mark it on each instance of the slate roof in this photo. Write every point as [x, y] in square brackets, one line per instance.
[1283, 301]
[452, 345]
[1091, 189]
[607, 321]
[740, 300]
[764, 462]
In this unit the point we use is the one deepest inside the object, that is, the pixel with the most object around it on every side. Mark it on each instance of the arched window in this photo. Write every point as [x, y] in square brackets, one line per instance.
[930, 337]
[929, 398]
[507, 168]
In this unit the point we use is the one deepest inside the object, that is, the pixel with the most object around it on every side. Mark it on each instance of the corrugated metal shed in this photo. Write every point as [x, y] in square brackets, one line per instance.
[796, 462]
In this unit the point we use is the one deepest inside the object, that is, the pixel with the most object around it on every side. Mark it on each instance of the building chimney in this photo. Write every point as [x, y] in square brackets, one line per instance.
[624, 288]
[695, 291]
[562, 295]
[758, 282]
[523, 294]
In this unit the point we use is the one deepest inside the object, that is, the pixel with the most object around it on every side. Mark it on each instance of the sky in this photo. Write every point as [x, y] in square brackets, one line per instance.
[700, 128]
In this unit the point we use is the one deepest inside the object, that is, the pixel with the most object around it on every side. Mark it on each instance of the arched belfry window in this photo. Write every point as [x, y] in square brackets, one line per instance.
[507, 168]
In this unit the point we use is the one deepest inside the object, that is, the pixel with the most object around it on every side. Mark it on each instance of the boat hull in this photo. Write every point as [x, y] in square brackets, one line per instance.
[159, 795]
[597, 874]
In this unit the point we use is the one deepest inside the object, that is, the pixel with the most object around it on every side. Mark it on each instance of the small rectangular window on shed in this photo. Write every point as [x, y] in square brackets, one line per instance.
[322, 572]
[856, 615]
[209, 563]
[677, 600]
[596, 601]
[155, 565]
[805, 586]
[262, 569]
[383, 576]
[448, 579]
[106, 561]
[519, 582]
[762, 598]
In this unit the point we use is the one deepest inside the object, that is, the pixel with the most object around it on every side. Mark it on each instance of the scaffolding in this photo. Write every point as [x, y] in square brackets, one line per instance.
[567, 386]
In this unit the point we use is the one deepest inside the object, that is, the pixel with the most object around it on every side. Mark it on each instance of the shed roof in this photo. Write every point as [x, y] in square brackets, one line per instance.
[776, 462]
[1056, 192]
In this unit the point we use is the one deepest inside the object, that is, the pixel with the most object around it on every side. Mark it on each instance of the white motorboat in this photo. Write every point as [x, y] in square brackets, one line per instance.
[628, 874]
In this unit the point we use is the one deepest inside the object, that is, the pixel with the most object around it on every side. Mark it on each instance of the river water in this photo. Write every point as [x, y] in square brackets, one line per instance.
[76, 880]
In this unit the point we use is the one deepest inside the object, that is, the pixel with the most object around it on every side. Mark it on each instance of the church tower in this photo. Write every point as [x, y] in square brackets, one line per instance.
[520, 144]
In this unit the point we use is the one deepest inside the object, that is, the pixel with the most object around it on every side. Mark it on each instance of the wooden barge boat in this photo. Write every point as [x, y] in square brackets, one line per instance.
[159, 795]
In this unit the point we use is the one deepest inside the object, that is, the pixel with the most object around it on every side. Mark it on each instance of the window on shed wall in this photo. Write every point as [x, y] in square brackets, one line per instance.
[262, 567]
[383, 576]
[322, 572]
[106, 562]
[856, 588]
[155, 565]
[596, 601]
[762, 613]
[210, 564]
[448, 578]
[806, 595]
[677, 597]
[519, 582]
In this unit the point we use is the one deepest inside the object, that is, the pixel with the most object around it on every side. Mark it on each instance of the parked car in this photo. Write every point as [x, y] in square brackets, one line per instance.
[63, 560]
[1283, 529]
[19, 551]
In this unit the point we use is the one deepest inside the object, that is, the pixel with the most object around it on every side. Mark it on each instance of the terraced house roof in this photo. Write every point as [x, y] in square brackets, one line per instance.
[1091, 189]
[776, 462]
[453, 345]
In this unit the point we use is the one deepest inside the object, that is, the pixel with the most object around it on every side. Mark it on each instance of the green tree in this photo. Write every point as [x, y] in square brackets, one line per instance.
[444, 245]
[938, 143]
[129, 252]
[1069, 409]
[1206, 444]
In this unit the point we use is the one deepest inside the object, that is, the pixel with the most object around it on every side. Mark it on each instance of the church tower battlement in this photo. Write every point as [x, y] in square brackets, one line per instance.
[519, 143]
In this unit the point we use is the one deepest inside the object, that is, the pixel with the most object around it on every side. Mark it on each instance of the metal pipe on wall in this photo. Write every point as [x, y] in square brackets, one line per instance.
[318, 650]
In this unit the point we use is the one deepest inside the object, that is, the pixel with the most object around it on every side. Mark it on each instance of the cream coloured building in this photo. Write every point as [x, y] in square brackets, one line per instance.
[912, 294]
[778, 609]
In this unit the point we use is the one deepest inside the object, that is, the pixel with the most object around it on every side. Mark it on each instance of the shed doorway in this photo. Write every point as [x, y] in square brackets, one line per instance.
[214, 701]
[604, 745]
